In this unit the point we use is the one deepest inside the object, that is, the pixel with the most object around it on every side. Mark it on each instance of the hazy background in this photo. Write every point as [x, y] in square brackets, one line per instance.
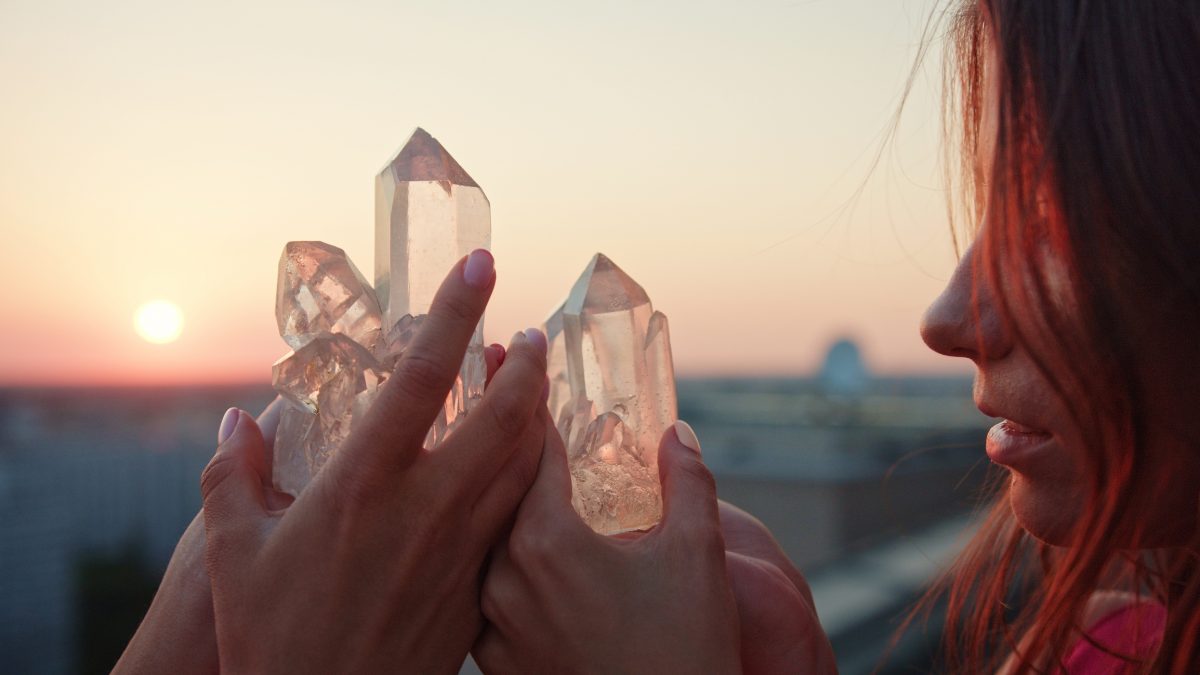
[168, 150]
[719, 152]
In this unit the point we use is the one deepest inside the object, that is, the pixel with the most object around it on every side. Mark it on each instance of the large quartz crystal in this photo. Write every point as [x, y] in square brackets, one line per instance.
[347, 336]
[428, 214]
[612, 393]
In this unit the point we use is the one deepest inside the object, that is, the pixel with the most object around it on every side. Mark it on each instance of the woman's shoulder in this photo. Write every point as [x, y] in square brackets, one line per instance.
[1118, 623]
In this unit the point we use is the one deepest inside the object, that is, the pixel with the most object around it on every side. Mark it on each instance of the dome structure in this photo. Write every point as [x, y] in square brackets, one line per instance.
[844, 372]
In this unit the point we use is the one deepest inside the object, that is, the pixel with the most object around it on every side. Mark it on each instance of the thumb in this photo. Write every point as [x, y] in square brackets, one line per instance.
[231, 488]
[689, 489]
[550, 493]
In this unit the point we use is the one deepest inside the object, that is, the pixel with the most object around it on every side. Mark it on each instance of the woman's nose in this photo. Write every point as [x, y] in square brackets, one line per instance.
[963, 320]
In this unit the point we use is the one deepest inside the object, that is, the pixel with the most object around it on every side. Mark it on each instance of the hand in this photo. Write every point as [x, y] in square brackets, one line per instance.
[177, 633]
[780, 632]
[377, 565]
[560, 598]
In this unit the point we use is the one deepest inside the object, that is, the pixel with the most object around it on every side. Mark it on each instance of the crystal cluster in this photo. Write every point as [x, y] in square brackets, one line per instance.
[347, 336]
[612, 394]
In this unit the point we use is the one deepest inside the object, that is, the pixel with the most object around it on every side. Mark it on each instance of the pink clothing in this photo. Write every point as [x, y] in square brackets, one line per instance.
[1134, 630]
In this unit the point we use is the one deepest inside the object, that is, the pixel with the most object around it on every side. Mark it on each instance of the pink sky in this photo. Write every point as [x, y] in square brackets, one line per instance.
[156, 152]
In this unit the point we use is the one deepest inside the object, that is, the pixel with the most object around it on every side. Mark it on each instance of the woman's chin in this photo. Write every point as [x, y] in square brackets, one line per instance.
[1048, 510]
[1051, 510]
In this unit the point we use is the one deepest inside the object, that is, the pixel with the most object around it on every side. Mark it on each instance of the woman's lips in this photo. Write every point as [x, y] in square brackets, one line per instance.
[1014, 445]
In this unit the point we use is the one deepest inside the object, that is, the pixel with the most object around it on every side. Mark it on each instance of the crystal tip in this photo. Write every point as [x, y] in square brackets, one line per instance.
[604, 287]
[424, 159]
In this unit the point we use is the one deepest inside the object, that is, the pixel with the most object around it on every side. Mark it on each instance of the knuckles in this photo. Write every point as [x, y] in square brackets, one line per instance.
[535, 546]
[419, 376]
[345, 497]
[219, 469]
[523, 467]
[456, 308]
[491, 603]
[696, 473]
[508, 413]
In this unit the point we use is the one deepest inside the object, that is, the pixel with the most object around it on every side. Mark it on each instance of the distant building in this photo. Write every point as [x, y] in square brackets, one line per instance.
[844, 373]
[91, 473]
[96, 473]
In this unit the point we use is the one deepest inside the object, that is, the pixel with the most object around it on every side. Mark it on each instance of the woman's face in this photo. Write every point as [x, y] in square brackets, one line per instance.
[1034, 440]
[1038, 440]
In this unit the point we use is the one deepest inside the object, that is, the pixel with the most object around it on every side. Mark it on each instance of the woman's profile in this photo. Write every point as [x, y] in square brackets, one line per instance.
[1076, 301]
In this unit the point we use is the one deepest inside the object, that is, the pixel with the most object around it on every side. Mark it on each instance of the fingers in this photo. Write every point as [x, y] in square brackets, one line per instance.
[493, 358]
[551, 489]
[268, 422]
[395, 427]
[689, 490]
[231, 488]
[486, 439]
[779, 626]
[497, 506]
[490, 654]
[502, 601]
[501, 595]
[746, 535]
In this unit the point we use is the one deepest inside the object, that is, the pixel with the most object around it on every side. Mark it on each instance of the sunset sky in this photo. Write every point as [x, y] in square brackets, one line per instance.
[166, 151]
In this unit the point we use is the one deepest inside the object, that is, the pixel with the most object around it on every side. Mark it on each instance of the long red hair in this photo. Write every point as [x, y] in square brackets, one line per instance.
[1096, 166]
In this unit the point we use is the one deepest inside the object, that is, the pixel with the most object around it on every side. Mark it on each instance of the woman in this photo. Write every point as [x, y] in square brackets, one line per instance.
[1078, 302]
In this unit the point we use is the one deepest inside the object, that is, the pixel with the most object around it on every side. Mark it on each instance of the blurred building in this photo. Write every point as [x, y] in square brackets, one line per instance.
[850, 471]
[91, 473]
[844, 372]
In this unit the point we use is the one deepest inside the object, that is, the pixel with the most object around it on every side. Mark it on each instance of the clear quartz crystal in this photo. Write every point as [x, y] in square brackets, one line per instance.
[321, 291]
[429, 213]
[612, 393]
[323, 384]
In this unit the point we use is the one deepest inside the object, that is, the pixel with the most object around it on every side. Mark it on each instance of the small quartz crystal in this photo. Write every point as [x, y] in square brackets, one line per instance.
[612, 394]
[321, 291]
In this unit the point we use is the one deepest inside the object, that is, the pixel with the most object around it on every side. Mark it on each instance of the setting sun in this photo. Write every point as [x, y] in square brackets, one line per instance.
[158, 322]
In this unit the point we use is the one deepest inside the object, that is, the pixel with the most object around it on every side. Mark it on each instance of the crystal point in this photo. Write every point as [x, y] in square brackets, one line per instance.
[424, 159]
[321, 291]
[612, 392]
[604, 287]
[429, 213]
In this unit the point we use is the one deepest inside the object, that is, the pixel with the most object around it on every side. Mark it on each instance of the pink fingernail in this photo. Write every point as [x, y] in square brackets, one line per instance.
[480, 269]
[228, 424]
[687, 436]
[536, 337]
[500, 353]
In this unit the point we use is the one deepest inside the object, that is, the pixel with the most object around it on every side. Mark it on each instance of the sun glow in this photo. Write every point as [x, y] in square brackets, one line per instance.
[158, 322]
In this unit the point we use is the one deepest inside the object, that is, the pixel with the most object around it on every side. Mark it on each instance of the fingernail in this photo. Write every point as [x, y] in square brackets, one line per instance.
[518, 338]
[686, 436]
[228, 424]
[536, 337]
[479, 269]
